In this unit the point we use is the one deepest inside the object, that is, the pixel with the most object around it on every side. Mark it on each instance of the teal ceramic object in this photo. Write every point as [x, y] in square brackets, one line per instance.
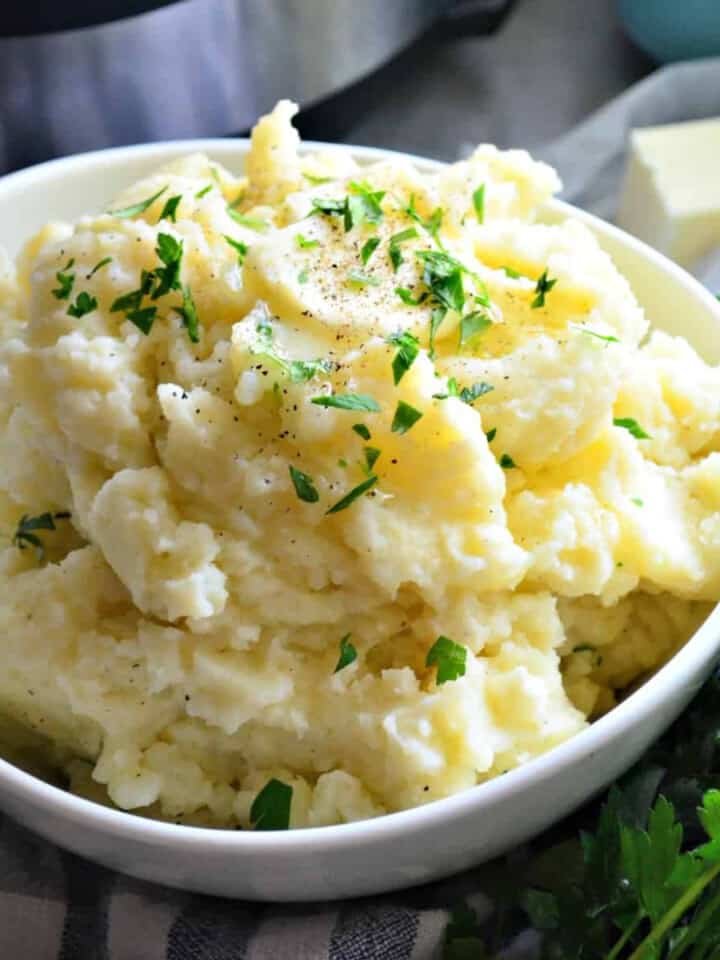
[673, 29]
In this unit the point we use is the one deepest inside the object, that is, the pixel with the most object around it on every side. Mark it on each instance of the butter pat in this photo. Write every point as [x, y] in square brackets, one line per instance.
[671, 193]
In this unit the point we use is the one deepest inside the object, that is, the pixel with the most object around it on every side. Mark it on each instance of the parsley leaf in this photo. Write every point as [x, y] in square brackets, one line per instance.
[365, 203]
[369, 248]
[136, 208]
[304, 486]
[24, 534]
[632, 426]
[270, 809]
[449, 658]
[303, 276]
[371, 457]
[169, 211]
[99, 265]
[301, 371]
[491, 434]
[436, 318]
[170, 252]
[348, 401]
[142, 318]
[507, 462]
[468, 394]
[239, 247]
[65, 281]
[84, 303]
[472, 325]
[638, 501]
[511, 272]
[592, 333]
[203, 192]
[252, 223]
[348, 654]
[188, 313]
[408, 299]
[132, 300]
[543, 286]
[327, 206]
[353, 495]
[443, 275]
[361, 430]
[359, 279]
[311, 178]
[479, 203]
[405, 417]
[432, 223]
[394, 251]
[408, 347]
[304, 243]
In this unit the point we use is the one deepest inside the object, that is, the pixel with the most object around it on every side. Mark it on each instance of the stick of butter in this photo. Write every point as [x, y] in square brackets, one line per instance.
[671, 192]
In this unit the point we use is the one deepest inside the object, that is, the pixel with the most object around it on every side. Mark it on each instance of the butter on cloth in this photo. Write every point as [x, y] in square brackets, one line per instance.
[671, 191]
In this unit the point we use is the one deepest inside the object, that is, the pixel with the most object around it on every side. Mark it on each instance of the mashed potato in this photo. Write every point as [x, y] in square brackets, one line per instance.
[356, 480]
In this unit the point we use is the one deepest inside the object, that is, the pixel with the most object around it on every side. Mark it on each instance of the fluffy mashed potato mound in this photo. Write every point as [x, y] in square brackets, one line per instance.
[355, 479]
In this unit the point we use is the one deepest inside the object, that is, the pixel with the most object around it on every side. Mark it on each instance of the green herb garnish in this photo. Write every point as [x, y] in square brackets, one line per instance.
[170, 252]
[304, 486]
[512, 273]
[348, 654]
[302, 277]
[353, 495]
[204, 192]
[409, 299]
[592, 333]
[637, 501]
[442, 274]
[467, 394]
[304, 243]
[479, 203]
[394, 251]
[239, 247]
[507, 462]
[408, 347]
[300, 371]
[369, 248]
[311, 178]
[371, 457]
[543, 286]
[143, 318]
[137, 208]
[632, 426]
[359, 279]
[432, 223]
[405, 417]
[363, 204]
[436, 318]
[65, 281]
[169, 211]
[252, 223]
[99, 265]
[449, 658]
[491, 434]
[348, 401]
[188, 314]
[361, 430]
[25, 533]
[271, 807]
[84, 303]
[472, 325]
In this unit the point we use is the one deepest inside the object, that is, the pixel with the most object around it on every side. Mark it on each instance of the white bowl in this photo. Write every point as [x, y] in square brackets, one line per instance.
[400, 849]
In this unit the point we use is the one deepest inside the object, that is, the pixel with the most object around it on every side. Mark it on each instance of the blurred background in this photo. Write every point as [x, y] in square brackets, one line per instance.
[427, 76]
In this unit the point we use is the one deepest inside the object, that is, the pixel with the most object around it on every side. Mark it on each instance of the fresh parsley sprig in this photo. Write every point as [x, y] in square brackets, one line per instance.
[270, 809]
[26, 533]
[542, 288]
[348, 654]
[449, 658]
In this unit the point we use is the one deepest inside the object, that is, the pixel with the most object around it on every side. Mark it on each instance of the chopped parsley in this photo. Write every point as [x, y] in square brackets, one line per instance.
[330, 208]
[409, 299]
[99, 265]
[408, 347]
[348, 401]
[25, 534]
[592, 333]
[436, 318]
[491, 434]
[449, 658]
[302, 277]
[507, 462]
[188, 315]
[479, 203]
[143, 318]
[511, 272]
[543, 286]
[239, 247]
[432, 223]
[65, 281]
[371, 457]
[467, 394]
[84, 303]
[300, 371]
[472, 325]
[304, 243]
[353, 495]
[169, 211]
[442, 274]
[252, 223]
[359, 279]
[169, 251]
[364, 203]
[369, 248]
[304, 486]
[204, 192]
[132, 300]
[137, 208]
[348, 654]
[405, 417]
[312, 178]
[632, 426]
[394, 251]
[361, 430]
[270, 809]
[638, 501]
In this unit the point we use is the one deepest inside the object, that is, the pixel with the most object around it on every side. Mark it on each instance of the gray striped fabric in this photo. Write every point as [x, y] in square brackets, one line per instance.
[55, 906]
